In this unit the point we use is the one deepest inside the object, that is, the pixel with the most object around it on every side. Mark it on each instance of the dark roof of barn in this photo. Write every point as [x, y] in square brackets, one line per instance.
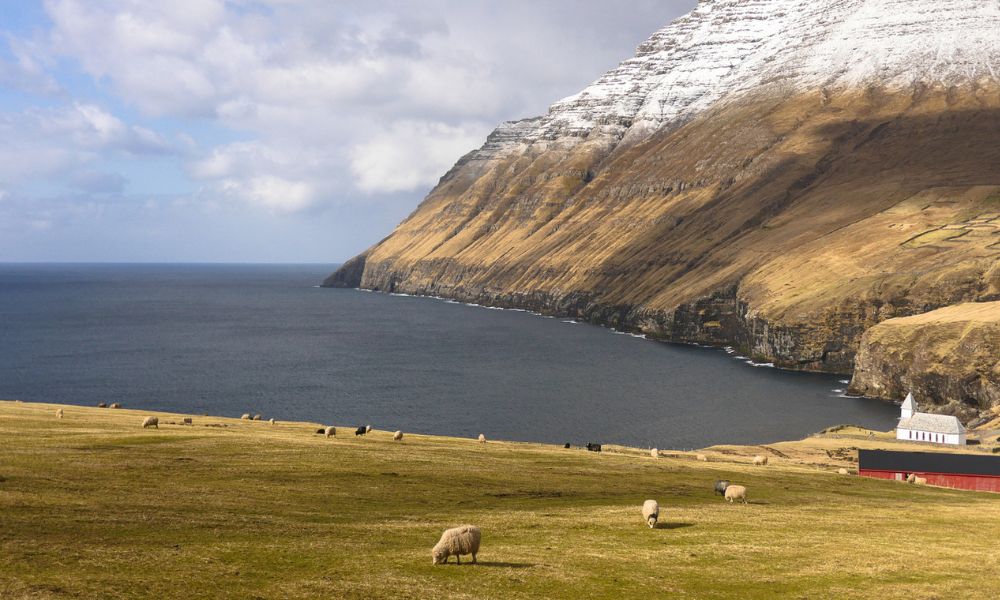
[929, 462]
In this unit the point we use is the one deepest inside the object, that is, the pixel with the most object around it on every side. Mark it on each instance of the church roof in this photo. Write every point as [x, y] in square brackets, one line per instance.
[909, 403]
[932, 423]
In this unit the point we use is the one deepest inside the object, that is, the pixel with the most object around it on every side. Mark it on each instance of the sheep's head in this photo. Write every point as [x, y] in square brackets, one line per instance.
[438, 556]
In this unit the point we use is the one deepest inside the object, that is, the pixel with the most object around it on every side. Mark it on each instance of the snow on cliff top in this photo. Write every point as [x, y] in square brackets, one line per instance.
[724, 47]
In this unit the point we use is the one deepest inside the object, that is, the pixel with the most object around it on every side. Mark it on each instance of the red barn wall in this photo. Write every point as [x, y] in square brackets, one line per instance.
[979, 483]
[877, 474]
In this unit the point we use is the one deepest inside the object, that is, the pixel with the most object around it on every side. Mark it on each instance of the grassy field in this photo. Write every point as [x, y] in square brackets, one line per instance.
[93, 506]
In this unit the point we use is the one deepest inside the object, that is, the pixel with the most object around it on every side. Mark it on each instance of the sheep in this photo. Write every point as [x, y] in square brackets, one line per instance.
[360, 431]
[321, 431]
[919, 481]
[245, 417]
[910, 478]
[566, 446]
[482, 438]
[330, 431]
[701, 457]
[760, 461]
[257, 417]
[650, 512]
[397, 436]
[457, 541]
[654, 453]
[151, 422]
[736, 492]
[271, 420]
[843, 471]
[593, 447]
[116, 405]
[59, 413]
[720, 486]
[102, 405]
[188, 421]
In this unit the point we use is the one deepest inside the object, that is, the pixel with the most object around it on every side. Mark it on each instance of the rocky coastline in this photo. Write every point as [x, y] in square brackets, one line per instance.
[745, 194]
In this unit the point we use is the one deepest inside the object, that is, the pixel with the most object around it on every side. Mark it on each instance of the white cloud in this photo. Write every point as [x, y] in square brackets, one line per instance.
[104, 127]
[411, 154]
[273, 193]
[345, 110]
[278, 179]
[61, 145]
[97, 182]
[26, 71]
[389, 94]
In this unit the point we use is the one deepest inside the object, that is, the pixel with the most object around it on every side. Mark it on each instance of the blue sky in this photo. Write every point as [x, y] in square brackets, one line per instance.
[267, 130]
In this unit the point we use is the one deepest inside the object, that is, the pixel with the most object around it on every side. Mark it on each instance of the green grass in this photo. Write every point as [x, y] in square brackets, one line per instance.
[91, 506]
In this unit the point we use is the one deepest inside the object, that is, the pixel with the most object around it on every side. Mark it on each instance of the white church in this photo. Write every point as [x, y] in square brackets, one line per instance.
[924, 427]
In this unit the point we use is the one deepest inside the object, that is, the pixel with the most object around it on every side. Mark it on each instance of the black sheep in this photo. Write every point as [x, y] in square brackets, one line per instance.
[361, 430]
[720, 487]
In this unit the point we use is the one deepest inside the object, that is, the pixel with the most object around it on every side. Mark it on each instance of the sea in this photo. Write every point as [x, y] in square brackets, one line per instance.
[222, 339]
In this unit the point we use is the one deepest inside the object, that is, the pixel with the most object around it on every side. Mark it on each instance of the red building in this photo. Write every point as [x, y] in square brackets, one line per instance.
[977, 472]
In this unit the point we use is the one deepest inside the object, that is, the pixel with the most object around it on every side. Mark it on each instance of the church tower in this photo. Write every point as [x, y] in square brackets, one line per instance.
[909, 407]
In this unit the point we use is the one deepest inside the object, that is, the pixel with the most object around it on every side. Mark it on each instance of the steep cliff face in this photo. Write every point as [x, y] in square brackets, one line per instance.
[777, 175]
[950, 356]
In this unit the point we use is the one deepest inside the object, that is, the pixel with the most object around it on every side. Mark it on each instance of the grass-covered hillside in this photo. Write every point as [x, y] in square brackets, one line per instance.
[93, 506]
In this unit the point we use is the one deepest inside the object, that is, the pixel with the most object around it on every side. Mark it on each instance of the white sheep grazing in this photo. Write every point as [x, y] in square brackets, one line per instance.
[482, 439]
[246, 416]
[760, 460]
[701, 457]
[271, 420]
[736, 492]
[654, 453]
[151, 422]
[59, 413]
[330, 431]
[650, 512]
[457, 541]
[910, 478]
[843, 471]
[397, 436]
[919, 481]
[257, 417]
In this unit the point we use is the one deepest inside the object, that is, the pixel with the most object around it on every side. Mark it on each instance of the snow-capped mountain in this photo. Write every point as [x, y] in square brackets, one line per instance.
[789, 177]
[725, 48]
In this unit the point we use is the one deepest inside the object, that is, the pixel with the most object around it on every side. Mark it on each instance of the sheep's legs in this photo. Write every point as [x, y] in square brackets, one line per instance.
[458, 558]
[473, 559]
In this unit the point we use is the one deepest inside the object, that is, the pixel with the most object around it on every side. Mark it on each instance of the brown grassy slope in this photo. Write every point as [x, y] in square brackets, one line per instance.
[695, 210]
[786, 225]
[957, 346]
[92, 506]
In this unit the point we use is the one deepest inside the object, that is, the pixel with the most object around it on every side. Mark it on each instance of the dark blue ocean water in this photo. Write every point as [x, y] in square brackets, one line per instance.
[224, 339]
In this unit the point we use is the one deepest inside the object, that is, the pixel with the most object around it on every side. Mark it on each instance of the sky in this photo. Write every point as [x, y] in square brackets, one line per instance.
[268, 130]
